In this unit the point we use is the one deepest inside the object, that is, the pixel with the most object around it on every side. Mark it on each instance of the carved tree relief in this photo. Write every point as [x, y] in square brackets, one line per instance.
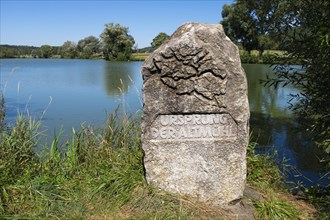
[190, 70]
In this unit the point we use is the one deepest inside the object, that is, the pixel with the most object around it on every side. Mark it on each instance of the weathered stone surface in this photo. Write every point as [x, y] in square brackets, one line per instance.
[195, 115]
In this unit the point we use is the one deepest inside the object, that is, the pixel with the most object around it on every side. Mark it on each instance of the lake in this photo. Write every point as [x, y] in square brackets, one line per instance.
[67, 93]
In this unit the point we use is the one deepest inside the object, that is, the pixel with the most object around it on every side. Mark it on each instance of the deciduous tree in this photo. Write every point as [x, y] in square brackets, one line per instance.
[254, 23]
[88, 47]
[116, 43]
[45, 51]
[69, 50]
[159, 40]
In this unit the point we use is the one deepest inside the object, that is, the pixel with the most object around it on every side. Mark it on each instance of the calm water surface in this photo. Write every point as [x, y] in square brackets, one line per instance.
[67, 93]
[70, 91]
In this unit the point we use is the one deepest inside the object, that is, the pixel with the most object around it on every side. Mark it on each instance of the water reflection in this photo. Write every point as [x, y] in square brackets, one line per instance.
[118, 77]
[274, 127]
[267, 99]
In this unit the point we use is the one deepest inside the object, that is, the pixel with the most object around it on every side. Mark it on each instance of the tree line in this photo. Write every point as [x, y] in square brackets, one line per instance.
[15, 51]
[114, 43]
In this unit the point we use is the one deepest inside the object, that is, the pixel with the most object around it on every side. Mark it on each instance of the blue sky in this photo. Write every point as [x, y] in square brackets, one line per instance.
[40, 22]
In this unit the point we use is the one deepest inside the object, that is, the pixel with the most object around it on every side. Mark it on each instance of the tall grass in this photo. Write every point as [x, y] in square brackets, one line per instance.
[262, 170]
[2, 112]
[106, 163]
[100, 175]
[276, 208]
[268, 177]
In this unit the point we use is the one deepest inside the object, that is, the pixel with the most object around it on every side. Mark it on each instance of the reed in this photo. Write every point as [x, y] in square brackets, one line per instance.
[100, 175]
[2, 112]
[262, 170]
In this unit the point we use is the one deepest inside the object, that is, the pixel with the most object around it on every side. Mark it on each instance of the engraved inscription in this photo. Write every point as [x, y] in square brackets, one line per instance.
[193, 126]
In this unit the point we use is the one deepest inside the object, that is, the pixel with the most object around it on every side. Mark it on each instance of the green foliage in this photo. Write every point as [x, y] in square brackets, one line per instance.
[139, 56]
[2, 112]
[104, 166]
[263, 174]
[17, 158]
[268, 57]
[116, 43]
[144, 50]
[248, 58]
[13, 51]
[101, 175]
[262, 170]
[320, 198]
[45, 51]
[69, 50]
[275, 208]
[159, 40]
[254, 23]
[88, 47]
[10, 51]
[308, 42]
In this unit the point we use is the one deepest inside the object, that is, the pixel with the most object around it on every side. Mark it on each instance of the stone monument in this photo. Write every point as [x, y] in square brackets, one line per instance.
[195, 115]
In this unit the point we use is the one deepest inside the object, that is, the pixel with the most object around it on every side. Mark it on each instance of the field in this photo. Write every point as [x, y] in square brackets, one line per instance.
[139, 56]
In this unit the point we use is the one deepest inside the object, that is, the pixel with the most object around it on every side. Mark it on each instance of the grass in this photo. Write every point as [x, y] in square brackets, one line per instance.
[264, 175]
[275, 208]
[320, 198]
[100, 175]
[262, 170]
[139, 56]
[2, 111]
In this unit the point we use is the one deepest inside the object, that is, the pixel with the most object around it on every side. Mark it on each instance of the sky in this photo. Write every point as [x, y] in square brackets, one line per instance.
[52, 22]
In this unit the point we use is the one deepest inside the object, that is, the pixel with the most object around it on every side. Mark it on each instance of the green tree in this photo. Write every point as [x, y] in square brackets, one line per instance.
[159, 40]
[88, 47]
[57, 50]
[254, 23]
[6, 52]
[306, 38]
[45, 51]
[69, 50]
[116, 43]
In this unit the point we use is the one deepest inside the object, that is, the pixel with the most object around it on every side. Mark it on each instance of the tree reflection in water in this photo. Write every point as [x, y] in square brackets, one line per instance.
[274, 127]
[118, 77]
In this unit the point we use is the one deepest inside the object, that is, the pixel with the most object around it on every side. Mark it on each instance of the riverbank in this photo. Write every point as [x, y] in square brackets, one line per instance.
[101, 176]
